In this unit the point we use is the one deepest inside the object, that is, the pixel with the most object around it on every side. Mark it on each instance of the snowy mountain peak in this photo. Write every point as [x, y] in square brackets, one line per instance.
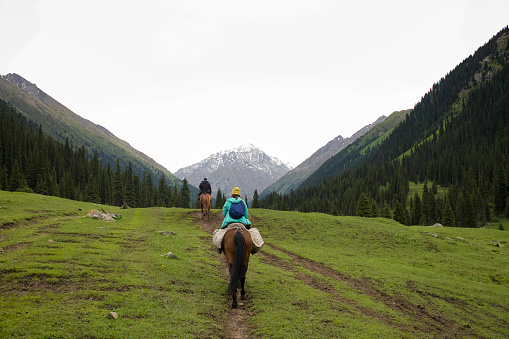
[245, 166]
[247, 148]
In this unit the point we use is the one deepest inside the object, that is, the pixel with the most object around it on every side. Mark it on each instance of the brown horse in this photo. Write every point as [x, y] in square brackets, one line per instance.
[206, 204]
[237, 246]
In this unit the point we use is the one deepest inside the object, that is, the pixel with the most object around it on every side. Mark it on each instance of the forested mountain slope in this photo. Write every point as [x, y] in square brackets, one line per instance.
[63, 124]
[32, 161]
[457, 136]
[356, 153]
[296, 176]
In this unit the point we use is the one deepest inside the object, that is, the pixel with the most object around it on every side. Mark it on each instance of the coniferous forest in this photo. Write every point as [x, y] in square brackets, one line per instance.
[34, 162]
[456, 138]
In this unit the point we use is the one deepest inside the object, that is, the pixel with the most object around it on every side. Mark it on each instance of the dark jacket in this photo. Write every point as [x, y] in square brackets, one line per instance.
[205, 187]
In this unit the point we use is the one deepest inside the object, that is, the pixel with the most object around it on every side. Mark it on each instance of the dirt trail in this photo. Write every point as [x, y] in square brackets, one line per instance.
[421, 319]
[236, 326]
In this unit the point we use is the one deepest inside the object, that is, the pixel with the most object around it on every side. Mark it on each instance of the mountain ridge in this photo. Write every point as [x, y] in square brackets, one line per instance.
[246, 166]
[300, 173]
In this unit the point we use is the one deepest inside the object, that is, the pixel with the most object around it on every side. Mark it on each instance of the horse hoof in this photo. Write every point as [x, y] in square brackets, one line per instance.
[235, 305]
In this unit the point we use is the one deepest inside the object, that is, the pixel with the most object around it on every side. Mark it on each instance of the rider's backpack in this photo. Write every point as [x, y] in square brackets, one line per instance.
[237, 209]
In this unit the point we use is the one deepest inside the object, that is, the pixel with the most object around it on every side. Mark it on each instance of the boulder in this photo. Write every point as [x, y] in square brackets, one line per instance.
[95, 214]
[112, 315]
[169, 255]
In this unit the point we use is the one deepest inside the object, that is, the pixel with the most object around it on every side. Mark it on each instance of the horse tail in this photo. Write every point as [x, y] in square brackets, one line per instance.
[238, 269]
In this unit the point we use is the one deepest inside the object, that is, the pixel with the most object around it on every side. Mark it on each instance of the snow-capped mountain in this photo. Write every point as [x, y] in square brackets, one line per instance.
[247, 167]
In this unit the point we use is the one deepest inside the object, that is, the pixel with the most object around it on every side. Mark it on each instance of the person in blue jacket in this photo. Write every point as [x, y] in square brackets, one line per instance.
[228, 218]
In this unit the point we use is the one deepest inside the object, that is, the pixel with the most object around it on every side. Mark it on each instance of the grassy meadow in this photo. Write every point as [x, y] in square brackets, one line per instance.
[318, 276]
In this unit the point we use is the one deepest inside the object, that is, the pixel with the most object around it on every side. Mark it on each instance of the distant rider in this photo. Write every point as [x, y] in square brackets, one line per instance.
[204, 187]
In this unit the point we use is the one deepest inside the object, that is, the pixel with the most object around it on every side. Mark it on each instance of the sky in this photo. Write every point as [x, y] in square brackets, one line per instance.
[182, 80]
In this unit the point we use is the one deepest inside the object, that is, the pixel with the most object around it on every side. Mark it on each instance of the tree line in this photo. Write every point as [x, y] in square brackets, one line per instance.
[31, 161]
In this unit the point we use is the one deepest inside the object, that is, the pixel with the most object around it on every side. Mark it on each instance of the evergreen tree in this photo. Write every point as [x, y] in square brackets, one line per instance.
[17, 179]
[256, 201]
[185, 195]
[386, 211]
[162, 197]
[118, 188]
[374, 209]
[399, 213]
[219, 199]
[469, 220]
[448, 219]
[129, 190]
[460, 210]
[91, 194]
[363, 206]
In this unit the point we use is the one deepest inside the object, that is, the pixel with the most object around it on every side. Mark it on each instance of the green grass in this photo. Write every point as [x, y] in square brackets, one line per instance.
[319, 276]
[460, 275]
[62, 273]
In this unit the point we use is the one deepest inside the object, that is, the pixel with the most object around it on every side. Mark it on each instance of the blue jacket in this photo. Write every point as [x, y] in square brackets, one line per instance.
[228, 219]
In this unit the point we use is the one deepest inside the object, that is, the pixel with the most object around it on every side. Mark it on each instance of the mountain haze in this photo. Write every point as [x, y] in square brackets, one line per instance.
[246, 166]
[292, 179]
[63, 124]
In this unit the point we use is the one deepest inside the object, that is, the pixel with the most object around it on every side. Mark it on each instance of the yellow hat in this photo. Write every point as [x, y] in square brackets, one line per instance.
[236, 190]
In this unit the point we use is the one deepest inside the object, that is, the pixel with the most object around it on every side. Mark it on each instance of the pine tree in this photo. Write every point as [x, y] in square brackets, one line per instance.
[460, 210]
[129, 191]
[374, 209]
[386, 211]
[118, 188]
[17, 180]
[417, 209]
[185, 195]
[363, 206]
[399, 213]
[448, 219]
[91, 194]
[219, 201]
[256, 201]
[470, 220]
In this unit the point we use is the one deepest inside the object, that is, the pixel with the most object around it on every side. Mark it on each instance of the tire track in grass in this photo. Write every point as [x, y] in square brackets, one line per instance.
[422, 321]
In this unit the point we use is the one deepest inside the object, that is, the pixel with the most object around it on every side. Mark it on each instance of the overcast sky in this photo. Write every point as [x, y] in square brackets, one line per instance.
[181, 80]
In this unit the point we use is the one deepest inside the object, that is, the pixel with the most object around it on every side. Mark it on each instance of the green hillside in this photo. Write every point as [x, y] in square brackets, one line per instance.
[62, 124]
[317, 276]
[455, 137]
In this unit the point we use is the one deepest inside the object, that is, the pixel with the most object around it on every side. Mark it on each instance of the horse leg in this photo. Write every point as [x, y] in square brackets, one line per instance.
[242, 291]
[235, 304]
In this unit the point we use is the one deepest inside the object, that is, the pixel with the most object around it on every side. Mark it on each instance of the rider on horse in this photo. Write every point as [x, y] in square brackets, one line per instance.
[205, 187]
[228, 218]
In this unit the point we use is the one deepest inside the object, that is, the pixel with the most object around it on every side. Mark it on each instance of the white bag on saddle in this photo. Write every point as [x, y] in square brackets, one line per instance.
[217, 237]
